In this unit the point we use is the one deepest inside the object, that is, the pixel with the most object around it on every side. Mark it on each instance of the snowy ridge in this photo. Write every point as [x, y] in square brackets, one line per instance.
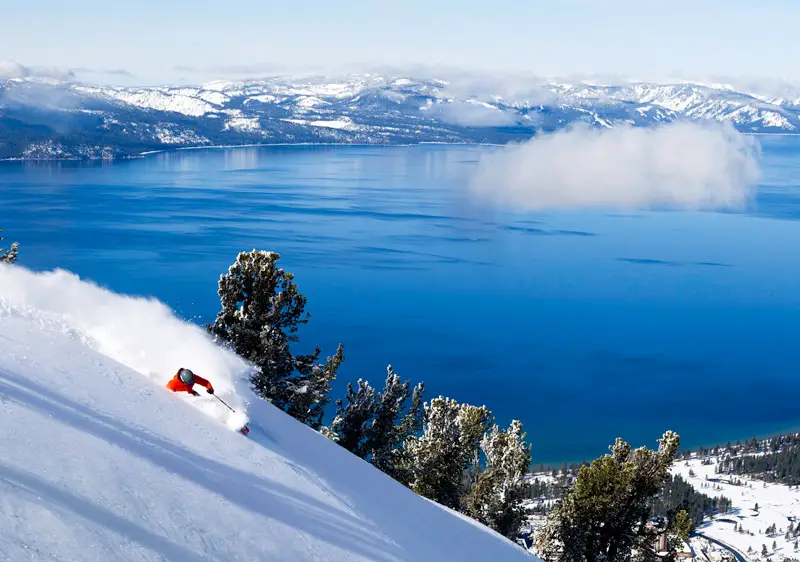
[109, 465]
[92, 121]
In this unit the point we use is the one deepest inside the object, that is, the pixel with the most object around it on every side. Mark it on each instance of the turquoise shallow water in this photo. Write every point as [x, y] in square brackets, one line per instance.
[584, 325]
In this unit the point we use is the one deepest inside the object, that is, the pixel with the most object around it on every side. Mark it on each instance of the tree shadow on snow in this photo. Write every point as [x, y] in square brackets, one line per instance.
[41, 491]
[258, 495]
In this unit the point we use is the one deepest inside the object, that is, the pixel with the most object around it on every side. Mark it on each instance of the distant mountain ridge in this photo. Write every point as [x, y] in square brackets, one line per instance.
[52, 119]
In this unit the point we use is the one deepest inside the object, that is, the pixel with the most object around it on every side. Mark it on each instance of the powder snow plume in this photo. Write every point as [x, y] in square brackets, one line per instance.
[140, 333]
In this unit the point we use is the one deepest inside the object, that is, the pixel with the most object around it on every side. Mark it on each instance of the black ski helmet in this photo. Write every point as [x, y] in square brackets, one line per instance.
[187, 376]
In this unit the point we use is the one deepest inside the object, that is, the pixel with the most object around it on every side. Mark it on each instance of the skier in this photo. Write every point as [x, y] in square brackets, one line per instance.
[185, 379]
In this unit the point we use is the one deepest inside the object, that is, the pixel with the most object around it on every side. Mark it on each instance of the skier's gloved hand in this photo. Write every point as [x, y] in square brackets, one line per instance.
[210, 390]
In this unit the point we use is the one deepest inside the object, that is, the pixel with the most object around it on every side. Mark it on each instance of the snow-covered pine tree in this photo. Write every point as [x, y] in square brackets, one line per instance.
[414, 419]
[384, 434]
[311, 389]
[400, 466]
[350, 423]
[10, 255]
[604, 516]
[495, 498]
[271, 355]
[439, 457]
[479, 499]
[375, 427]
[473, 422]
[261, 310]
[436, 455]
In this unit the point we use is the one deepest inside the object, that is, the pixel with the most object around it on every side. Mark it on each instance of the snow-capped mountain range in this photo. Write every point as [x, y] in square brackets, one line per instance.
[45, 118]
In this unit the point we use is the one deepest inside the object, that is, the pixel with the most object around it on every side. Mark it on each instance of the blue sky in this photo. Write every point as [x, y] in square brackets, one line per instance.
[183, 40]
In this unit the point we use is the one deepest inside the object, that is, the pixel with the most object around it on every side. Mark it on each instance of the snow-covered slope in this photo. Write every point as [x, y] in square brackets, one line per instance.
[62, 119]
[756, 505]
[99, 462]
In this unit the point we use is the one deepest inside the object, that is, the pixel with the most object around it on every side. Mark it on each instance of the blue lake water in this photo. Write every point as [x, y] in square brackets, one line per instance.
[584, 325]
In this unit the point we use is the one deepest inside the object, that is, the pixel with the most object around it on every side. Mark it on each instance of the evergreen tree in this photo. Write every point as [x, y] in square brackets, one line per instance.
[351, 420]
[376, 426]
[413, 422]
[440, 456]
[496, 493]
[385, 434]
[682, 525]
[764, 551]
[10, 255]
[411, 425]
[261, 310]
[604, 515]
[311, 389]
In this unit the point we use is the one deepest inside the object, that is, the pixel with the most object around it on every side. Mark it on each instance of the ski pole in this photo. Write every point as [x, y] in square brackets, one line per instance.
[223, 401]
[244, 429]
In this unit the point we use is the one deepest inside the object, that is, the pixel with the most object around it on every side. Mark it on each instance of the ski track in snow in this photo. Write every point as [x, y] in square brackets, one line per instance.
[100, 462]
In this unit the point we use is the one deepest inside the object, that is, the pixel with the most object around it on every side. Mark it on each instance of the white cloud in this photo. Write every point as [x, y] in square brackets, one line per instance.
[50, 75]
[475, 114]
[680, 166]
[12, 69]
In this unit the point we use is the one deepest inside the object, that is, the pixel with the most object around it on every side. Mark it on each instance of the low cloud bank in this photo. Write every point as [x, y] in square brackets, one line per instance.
[12, 69]
[473, 115]
[683, 166]
[15, 70]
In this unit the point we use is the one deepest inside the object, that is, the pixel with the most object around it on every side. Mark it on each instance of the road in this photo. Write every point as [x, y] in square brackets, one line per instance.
[739, 556]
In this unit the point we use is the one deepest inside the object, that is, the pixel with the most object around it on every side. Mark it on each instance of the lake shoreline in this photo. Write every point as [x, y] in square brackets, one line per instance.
[148, 153]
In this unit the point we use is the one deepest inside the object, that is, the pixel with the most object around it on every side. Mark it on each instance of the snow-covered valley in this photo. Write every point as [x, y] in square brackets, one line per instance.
[756, 507]
[44, 119]
[100, 462]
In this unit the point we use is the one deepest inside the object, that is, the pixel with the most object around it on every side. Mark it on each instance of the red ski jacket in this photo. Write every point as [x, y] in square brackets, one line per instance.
[177, 385]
